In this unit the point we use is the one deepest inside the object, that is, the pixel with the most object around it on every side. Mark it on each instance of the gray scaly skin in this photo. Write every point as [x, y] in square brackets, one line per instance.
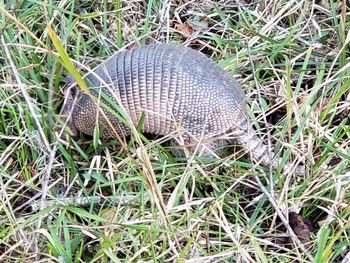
[180, 91]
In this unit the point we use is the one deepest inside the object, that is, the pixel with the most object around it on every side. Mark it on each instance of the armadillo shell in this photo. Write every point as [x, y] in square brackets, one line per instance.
[174, 87]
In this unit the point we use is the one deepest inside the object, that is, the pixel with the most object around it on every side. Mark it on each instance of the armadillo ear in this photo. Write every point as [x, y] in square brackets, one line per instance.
[69, 89]
[70, 79]
[70, 97]
[70, 92]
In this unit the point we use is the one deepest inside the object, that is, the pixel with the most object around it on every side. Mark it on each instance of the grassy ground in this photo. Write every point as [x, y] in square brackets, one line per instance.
[85, 201]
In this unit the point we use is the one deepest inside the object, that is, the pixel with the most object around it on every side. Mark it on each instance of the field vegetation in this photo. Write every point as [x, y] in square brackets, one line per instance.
[85, 199]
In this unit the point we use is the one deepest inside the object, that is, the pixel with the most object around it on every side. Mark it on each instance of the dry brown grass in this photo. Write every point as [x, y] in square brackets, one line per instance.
[85, 201]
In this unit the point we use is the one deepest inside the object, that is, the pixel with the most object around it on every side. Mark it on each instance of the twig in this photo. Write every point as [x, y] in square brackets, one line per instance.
[47, 149]
[332, 211]
[282, 217]
[213, 258]
[25, 94]
[85, 201]
[258, 15]
[164, 18]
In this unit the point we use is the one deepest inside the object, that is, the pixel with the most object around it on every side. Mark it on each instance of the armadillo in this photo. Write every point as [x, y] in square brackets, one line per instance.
[175, 90]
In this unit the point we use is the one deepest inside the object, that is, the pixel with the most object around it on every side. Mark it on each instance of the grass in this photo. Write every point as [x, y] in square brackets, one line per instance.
[89, 201]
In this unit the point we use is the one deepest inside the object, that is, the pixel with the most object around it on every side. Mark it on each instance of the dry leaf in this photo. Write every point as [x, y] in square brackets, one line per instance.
[185, 29]
[301, 227]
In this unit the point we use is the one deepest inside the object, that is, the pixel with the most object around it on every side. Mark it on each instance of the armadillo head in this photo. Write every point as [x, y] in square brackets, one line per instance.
[71, 94]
